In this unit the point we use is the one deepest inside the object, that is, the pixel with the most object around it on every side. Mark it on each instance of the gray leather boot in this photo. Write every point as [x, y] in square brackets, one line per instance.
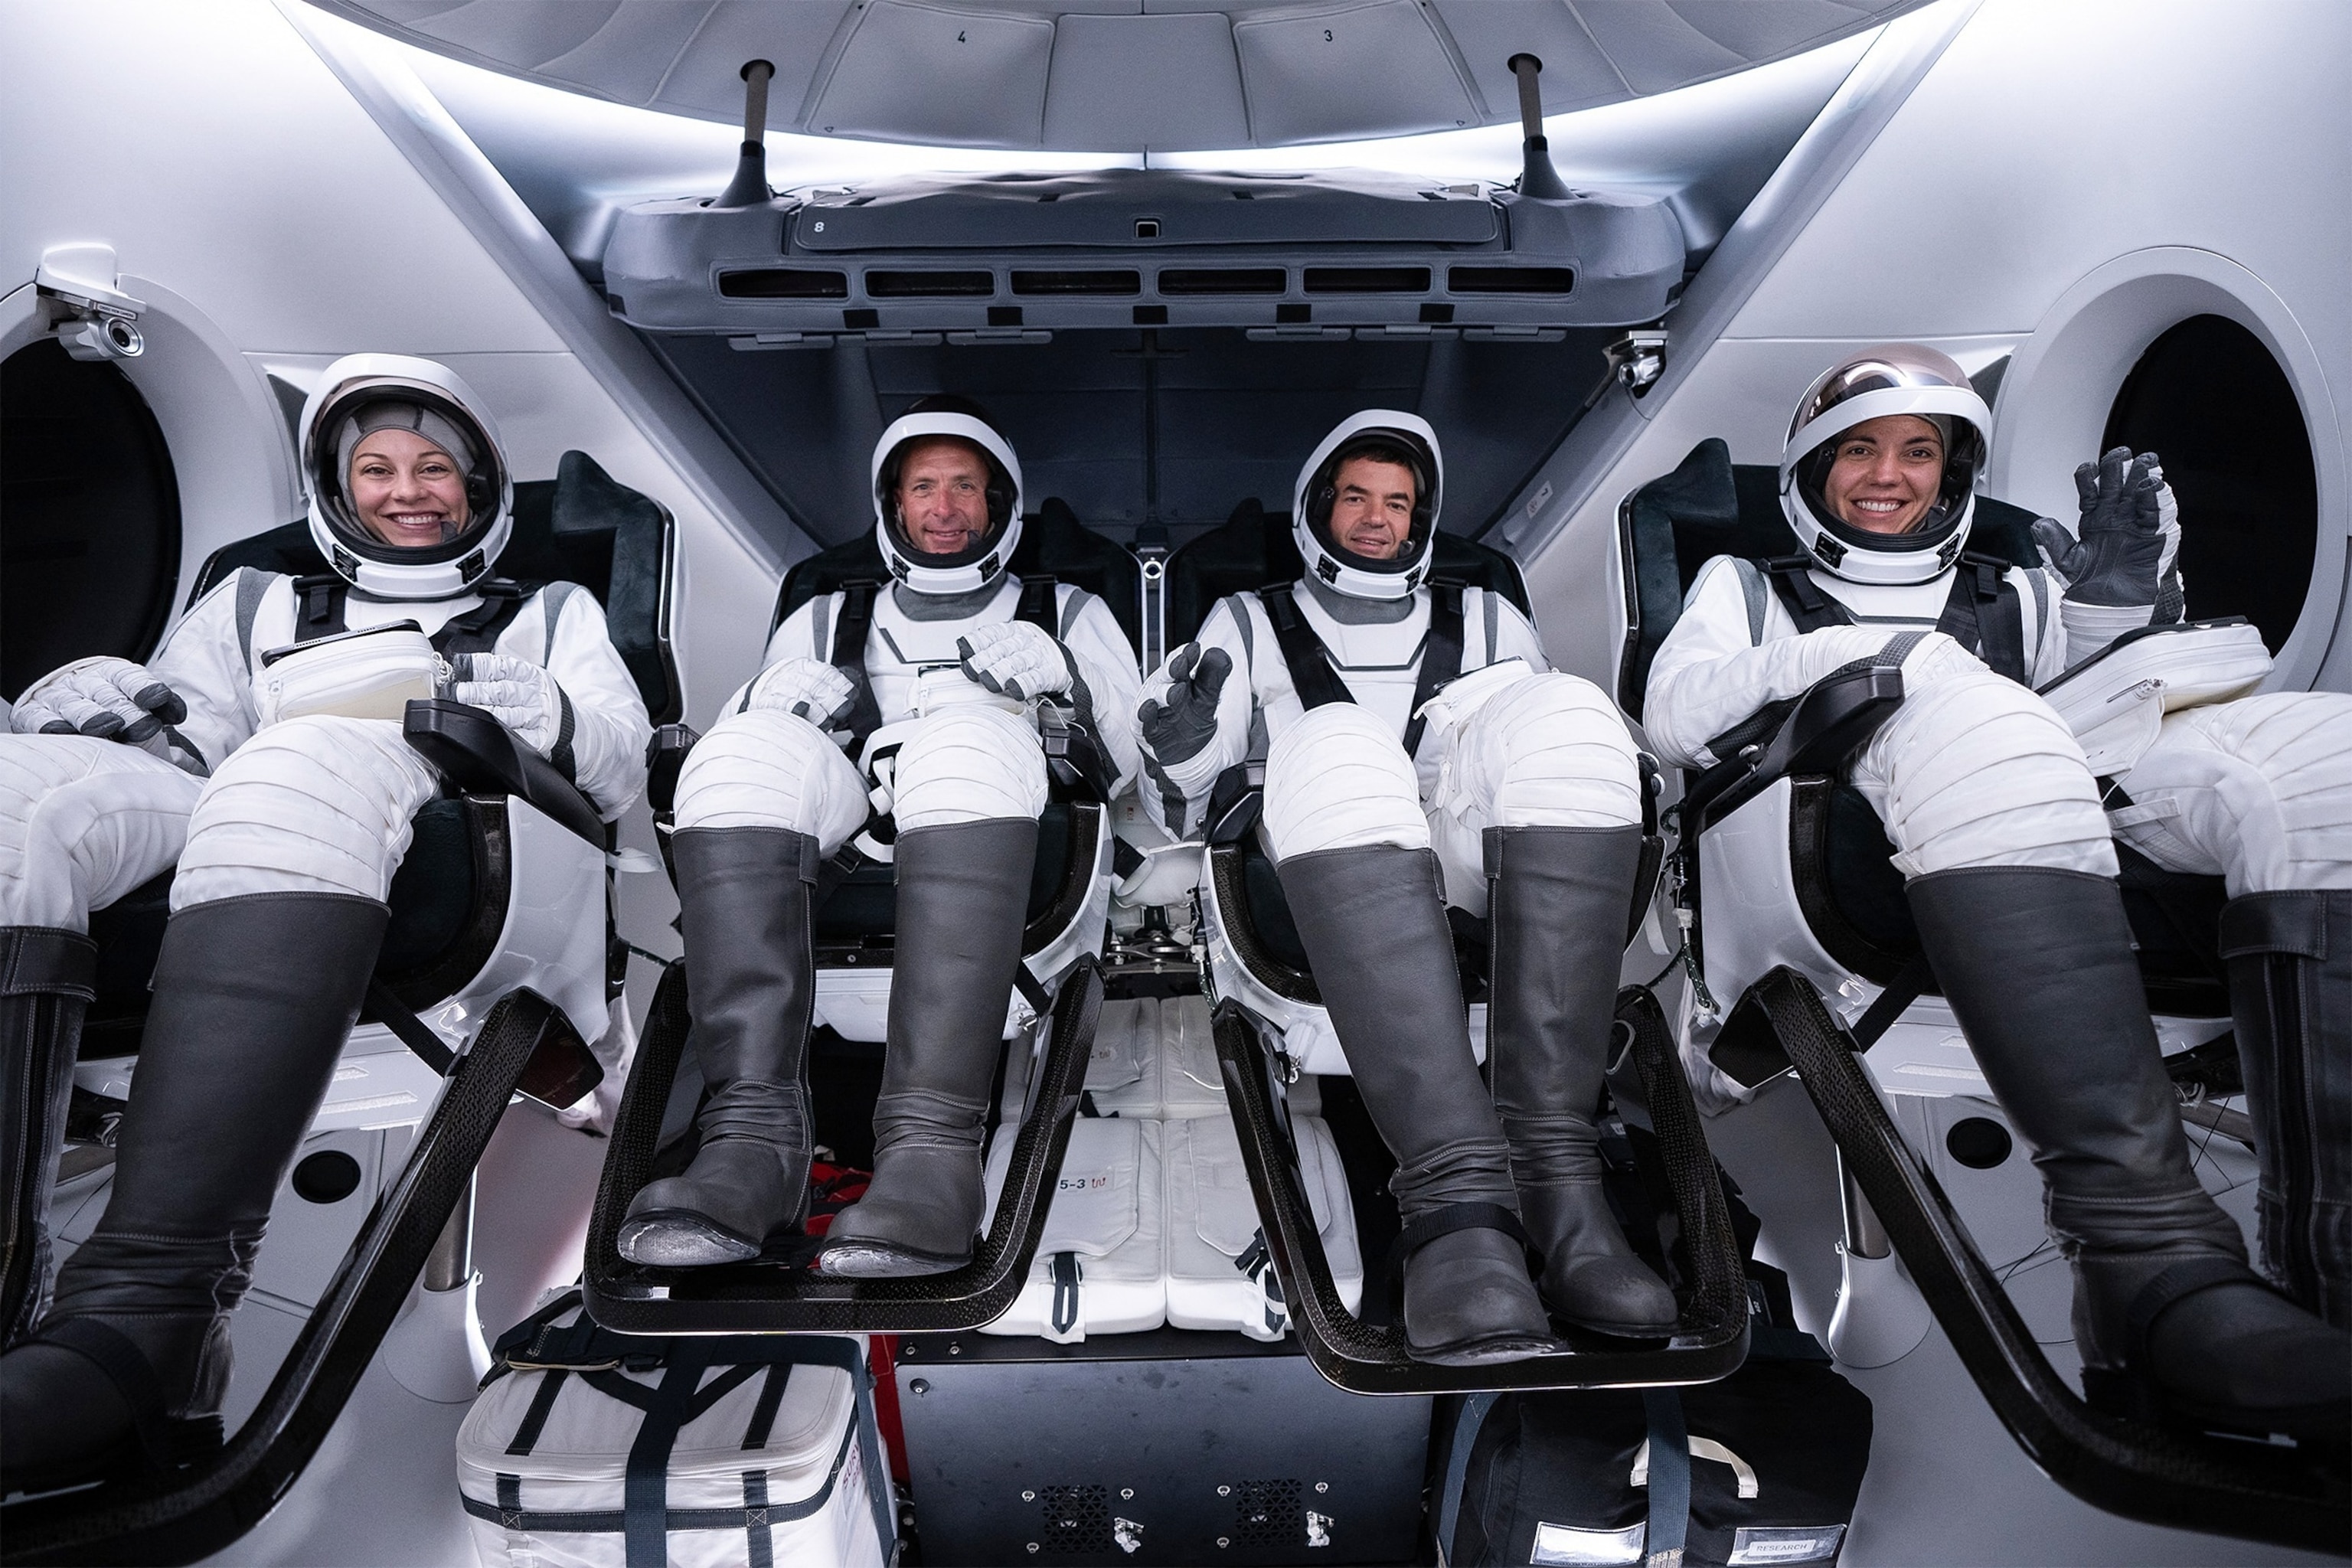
[2037, 965]
[743, 895]
[963, 891]
[48, 977]
[2290, 958]
[1372, 921]
[1556, 919]
[254, 998]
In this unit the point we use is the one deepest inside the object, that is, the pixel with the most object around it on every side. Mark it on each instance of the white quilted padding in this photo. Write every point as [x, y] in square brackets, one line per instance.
[1212, 1221]
[1107, 1216]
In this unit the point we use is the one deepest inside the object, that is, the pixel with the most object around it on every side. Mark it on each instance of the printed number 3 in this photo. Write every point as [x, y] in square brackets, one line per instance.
[1327, 35]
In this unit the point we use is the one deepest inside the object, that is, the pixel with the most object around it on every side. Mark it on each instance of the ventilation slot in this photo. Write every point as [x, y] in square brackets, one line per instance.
[1073, 1520]
[1112, 281]
[783, 284]
[1367, 279]
[1224, 280]
[928, 285]
[1511, 280]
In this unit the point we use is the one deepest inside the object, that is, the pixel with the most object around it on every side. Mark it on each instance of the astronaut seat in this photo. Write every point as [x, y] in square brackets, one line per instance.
[499, 969]
[1803, 952]
[1049, 1020]
[1271, 1029]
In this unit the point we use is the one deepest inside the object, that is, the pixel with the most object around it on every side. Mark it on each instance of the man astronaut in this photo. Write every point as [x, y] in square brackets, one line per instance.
[285, 854]
[1516, 790]
[952, 673]
[1998, 824]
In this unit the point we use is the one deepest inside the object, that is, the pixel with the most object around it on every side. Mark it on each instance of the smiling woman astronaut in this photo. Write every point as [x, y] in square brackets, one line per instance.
[285, 854]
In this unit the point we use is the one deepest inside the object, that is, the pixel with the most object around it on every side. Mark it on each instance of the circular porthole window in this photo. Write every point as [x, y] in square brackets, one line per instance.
[2208, 398]
[92, 539]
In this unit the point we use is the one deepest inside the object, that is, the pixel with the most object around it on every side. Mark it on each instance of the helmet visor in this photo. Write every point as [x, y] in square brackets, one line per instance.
[947, 499]
[1335, 494]
[403, 474]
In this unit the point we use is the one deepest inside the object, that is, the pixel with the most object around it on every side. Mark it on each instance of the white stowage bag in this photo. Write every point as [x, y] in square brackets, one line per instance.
[2116, 701]
[1098, 1269]
[1155, 1058]
[1218, 1275]
[803, 1484]
[371, 674]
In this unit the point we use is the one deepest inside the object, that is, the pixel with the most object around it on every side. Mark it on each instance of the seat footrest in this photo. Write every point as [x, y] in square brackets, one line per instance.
[786, 1296]
[2161, 1474]
[1708, 1343]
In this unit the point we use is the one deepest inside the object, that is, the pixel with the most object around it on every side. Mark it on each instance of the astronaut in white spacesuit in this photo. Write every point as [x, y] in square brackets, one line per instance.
[1997, 824]
[286, 821]
[1418, 748]
[947, 664]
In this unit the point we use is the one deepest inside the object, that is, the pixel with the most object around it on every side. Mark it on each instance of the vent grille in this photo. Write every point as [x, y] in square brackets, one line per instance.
[1075, 1519]
[929, 285]
[1267, 1513]
[1367, 279]
[1106, 281]
[1223, 280]
[785, 283]
[1511, 280]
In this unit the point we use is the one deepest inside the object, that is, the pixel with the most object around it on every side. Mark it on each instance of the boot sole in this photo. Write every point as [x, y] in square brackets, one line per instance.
[852, 1259]
[1620, 1330]
[1488, 1351]
[2327, 1424]
[676, 1239]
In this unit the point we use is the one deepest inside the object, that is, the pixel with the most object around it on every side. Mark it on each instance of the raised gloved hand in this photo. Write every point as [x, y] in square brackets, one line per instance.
[806, 688]
[2123, 550]
[516, 692]
[1177, 725]
[1015, 658]
[105, 699]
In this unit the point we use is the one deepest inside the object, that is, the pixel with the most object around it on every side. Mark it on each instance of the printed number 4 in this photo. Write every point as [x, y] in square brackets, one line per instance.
[960, 38]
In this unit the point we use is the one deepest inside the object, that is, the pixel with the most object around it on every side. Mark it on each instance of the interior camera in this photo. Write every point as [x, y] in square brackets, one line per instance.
[107, 337]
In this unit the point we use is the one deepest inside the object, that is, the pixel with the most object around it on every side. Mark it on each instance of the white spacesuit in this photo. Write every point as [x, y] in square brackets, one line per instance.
[235, 753]
[1417, 747]
[934, 681]
[1997, 824]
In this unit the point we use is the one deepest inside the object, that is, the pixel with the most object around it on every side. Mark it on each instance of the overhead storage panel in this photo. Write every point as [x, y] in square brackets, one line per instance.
[1370, 70]
[920, 73]
[1091, 101]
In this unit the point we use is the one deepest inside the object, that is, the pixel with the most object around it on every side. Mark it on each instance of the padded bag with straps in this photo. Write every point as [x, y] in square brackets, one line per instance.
[1221, 1275]
[591, 1449]
[1763, 1467]
[1098, 1269]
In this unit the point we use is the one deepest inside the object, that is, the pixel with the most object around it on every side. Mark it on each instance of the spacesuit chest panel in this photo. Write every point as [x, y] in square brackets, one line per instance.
[1379, 663]
[900, 647]
[279, 619]
[1913, 603]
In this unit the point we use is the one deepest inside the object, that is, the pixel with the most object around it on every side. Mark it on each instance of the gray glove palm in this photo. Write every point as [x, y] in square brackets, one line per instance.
[2124, 548]
[1177, 727]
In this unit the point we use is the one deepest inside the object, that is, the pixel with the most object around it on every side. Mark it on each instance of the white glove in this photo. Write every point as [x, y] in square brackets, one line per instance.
[807, 688]
[516, 692]
[105, 699]
[1015, 658]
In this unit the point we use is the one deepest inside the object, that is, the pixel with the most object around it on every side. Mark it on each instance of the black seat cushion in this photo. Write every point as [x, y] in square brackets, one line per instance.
[1672, 526]
[1253, 548]
[581, 527]
[1053, 543]
[431, 903]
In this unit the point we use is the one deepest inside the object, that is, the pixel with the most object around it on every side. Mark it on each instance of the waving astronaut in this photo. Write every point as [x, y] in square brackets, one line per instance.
[1393, 780]
[1997, 824]
[768, 795]
[285, 854]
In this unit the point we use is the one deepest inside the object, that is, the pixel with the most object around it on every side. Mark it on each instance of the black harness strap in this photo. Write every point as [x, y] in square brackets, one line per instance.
[850, 629]
[1037, 605]
[1317, 683]
[1982, 613]
[320, 609]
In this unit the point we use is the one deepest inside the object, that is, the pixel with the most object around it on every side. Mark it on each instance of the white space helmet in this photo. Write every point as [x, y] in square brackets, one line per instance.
[978, 564]
[1893, 378]
[1387, 435]
[362, 393]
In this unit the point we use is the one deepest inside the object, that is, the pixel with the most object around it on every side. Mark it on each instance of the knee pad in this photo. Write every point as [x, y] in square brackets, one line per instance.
[1976, 770]
[968, 764]
[319, 804]
[1339, 780]
[1550, 751]
[768, 769]
[82, 822]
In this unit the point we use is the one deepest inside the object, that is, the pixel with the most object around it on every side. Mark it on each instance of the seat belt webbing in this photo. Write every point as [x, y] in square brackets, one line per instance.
[1317, 683]
[1982, 613]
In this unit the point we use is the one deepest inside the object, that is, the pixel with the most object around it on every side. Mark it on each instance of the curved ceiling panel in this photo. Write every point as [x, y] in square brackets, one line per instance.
[1117, 76]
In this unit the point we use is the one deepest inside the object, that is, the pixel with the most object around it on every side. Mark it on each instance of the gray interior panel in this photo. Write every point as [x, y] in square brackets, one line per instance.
[1117, 76]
